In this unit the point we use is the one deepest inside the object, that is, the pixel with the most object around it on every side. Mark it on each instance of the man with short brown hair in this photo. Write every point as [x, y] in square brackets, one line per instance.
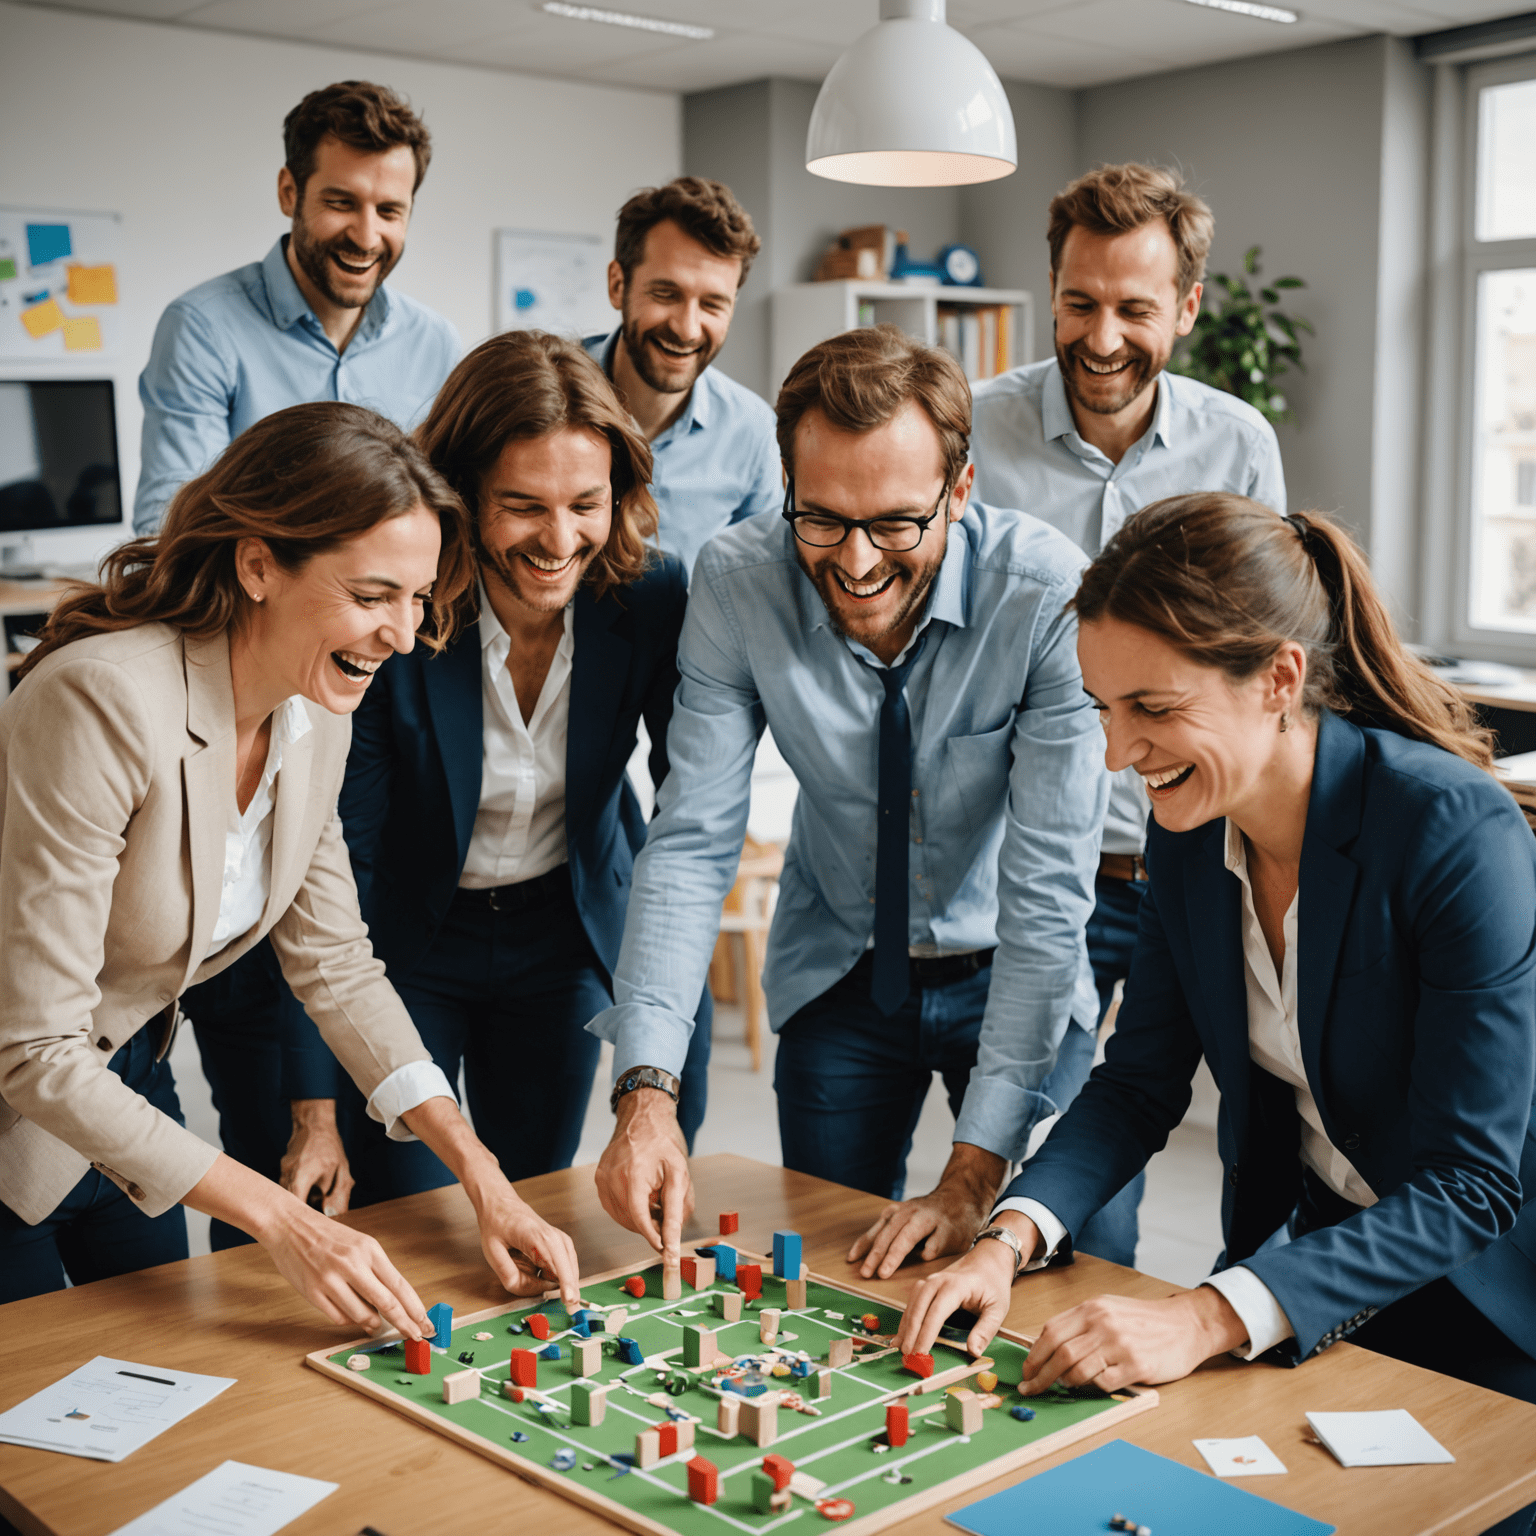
[911, 651]
[681, 253]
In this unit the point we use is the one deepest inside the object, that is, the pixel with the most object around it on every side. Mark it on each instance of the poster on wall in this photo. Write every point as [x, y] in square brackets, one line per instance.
[550, 282]
[58, 284]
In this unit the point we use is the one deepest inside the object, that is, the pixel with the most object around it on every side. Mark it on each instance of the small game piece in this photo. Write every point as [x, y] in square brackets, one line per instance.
[510, 1389]
[516, 1328]
[523, 1368]
[671, 1283]
[824, 1382]
[840, 1353]
[358, 1362]
[880, 1447]
[538, 1325]
[586, 1357]
[466, 1357]
[703, 1481]
[768, 1325]
[786, 1255]
[589, 1316]
[629, 1352]
[677, 1386]
[897, 1426]
[990, 1400]
[563, 1459]
[728, 1305]
[1021, 1413]
[647, 1448]
[794, 1295]
[441, 1319]
[518, 1437]
[614, 1322]
[581, 1330]
[728, 1416]
[418, 1357]
[987, 1381]
[460, 1386]
[699, 1271]
[749, 1280]
[728, 1222]
[780, 1469]
[635, 1285]
[550, 1352]
[482, 1338]
[666, 1438]
[835, 1509]
[685, 1428]
[725, 1261]
[589, 1402]
[763, 1490]
[870, 1322]
[760, 1418]
[779, 1369]
[919, 1365]
[699, 1348]
[962, 1412]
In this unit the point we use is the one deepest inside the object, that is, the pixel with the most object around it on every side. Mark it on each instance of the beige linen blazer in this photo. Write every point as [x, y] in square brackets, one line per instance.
[117, 782]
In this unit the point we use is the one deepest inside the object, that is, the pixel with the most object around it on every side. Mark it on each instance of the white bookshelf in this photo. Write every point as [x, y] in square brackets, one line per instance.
[805, 313]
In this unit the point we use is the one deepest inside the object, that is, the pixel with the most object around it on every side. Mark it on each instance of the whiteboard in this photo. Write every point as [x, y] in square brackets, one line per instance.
[547, 282]
[59, 296]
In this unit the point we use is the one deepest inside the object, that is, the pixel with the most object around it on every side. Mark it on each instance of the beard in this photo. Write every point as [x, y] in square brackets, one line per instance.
[1115, 393]
[648, 366]
[501, 565]
[912, 584]
[314, 259]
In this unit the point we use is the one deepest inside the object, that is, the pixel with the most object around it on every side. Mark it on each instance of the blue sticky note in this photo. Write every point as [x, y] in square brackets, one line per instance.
[441, 1319]
[1079, 1498]
[47, 242]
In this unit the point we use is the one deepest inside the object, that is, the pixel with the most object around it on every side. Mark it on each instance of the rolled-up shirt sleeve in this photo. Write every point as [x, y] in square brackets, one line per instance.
[1052, 1233]
[1257, 1309]
[404, 1089]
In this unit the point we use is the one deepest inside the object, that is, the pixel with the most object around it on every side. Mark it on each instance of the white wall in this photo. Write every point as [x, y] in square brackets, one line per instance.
[180, 131]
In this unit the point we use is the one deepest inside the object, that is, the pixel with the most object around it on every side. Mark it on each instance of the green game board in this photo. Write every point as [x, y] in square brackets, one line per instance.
[836, 1448]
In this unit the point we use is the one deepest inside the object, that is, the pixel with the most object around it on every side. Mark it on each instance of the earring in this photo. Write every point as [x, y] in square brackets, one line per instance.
[256, 598]
[1285, 721]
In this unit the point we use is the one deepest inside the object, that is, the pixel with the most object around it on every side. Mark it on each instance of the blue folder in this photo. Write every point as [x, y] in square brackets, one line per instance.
[1080, 1497]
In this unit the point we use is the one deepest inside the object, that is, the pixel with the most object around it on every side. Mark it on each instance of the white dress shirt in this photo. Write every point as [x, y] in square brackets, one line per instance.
[520, 826]
[1274, 1042]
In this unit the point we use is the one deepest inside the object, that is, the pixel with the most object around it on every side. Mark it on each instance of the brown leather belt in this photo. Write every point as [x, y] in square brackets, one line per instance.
[1122, 866]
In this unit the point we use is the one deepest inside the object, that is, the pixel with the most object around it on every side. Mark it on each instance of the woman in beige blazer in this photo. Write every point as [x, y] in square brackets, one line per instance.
[169, 766]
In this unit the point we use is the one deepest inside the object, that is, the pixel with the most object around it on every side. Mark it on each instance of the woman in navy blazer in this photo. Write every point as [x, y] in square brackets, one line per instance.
[1376, 1083]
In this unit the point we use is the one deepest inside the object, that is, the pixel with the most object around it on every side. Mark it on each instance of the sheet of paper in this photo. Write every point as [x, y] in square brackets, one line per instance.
[106, 1410]
[1245, 1457]
[232, 1500]
[1390, 1437]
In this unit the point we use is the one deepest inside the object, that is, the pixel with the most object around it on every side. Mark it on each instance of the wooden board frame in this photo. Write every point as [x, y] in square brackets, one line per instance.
[1129, 1403]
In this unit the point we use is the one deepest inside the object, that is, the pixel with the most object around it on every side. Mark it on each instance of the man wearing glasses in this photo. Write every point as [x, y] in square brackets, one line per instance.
[912, 653]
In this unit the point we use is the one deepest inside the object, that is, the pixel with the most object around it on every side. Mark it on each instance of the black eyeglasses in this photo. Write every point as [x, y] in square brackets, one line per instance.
[826, 530]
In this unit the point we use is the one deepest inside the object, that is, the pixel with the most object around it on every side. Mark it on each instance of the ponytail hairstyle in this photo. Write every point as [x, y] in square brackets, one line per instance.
[305, 480]
[1227, 583]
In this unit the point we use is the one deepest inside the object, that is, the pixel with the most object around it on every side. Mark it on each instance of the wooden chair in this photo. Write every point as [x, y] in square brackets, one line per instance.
[744, 916]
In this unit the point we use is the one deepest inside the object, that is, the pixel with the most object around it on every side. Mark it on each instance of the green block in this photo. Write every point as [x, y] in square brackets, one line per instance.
[762, 1491]
[588, 1401]
[693, 1350]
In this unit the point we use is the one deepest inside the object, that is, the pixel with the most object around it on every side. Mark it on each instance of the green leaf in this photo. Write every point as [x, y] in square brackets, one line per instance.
[1251, 259]
[1288, 282]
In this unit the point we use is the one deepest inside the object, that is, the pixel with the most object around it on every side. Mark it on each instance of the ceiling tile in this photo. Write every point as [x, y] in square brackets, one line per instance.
[728, 60]
[1067, 63]
[280, 18]
[427, 30]
[553, 45]
[142, 10]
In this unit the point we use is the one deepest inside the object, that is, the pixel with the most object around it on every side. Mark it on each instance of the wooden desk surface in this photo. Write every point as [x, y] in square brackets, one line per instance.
[229, 1314]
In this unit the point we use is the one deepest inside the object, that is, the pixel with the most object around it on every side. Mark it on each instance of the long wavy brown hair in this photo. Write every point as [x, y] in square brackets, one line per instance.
[525, 384]
[1227, 582]
[304, 480]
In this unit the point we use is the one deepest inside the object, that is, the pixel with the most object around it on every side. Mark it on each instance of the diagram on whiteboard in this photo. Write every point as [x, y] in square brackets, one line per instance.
[551, 283]
[58, 283]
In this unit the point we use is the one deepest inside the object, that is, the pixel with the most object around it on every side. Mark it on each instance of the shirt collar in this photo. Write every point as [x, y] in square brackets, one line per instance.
[1162, 415]
[695, 413]
[493, 635]
[1236, 854]
[289, 306]
[1056, 410]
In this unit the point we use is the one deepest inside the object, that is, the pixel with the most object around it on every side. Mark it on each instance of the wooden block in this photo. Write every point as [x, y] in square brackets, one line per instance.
[699, 1347]
[824, 1382]
[615, 1321]
[647, 1448]
[728, 1305]
[358, 1362]
[780, 1469]
[760, 1418]
[896, 1425]
[962, 1412]
[749, 1280]
[703, 1481]
[763, 1491]
[919, 1365]
[699, 1272]
[957, 1373]
[538, 1325]
[589, 1403]
[418, 1357]
[804, 1486]
[510, 1389]
[840, 1353]
[671, 1283]
[768, 1325]
[685, 1434]
[728, 1222]
[794, 1295]
[666, 1438]
[586, 1357]
[728, 1420]
[460, 1386]
[780, 1501]
[523, 1368]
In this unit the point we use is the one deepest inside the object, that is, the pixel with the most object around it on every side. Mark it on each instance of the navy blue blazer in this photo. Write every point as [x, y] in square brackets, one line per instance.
[1416, 1001]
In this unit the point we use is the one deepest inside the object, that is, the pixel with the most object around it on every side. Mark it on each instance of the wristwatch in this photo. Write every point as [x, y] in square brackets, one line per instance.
[1003, 1235]
[647, 1077]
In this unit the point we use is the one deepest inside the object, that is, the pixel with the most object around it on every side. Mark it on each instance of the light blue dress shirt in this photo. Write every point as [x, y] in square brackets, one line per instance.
[1008, 798]
[246, 344]
[715, 465]
[1028, 453]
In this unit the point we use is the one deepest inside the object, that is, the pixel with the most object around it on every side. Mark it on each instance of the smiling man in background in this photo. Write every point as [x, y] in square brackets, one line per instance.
[1092, 435]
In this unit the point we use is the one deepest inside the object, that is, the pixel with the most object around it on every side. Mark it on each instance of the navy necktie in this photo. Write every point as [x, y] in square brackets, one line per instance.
[890, 978]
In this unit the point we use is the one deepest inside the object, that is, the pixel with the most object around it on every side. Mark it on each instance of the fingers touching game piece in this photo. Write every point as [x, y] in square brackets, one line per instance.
[643, 1173]
[942, 1222]
[981, 1282]
[527, 1254]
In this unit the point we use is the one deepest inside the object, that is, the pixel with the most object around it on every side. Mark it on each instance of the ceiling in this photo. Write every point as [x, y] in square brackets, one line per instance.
[1066, 43]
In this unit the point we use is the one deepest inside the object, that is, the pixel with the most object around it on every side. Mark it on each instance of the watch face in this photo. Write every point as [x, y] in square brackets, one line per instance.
[961, 265]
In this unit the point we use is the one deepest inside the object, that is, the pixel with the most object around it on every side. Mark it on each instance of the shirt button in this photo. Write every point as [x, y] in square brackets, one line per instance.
[1351, 1143]
[1232, 1177]
[105, 1045]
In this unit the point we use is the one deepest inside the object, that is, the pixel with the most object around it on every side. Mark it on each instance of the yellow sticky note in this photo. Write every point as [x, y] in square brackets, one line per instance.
[43, 319]
[82, 333]
[93, 285]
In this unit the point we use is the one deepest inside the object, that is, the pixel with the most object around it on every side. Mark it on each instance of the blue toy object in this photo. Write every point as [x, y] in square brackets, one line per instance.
[550, 1352]
[518, 1437]
[786, 1255]
[441, 1319]
[629, 1352]
[800, 1368]
[725, 1261]
[581, 1330]
[563, 1460]
[516, 1328]
[1021, 1413]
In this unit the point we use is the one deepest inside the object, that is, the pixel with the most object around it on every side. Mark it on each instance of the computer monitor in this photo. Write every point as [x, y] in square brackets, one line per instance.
[58, 457]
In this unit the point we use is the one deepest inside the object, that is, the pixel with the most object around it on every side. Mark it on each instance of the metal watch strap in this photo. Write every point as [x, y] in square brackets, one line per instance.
[1003, 1235]
[643, 1077]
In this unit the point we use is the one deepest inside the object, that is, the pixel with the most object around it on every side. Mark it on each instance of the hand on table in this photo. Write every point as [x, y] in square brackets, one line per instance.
[981, 1281]
[944, 1221]
[315, 1156]
[642, 1177]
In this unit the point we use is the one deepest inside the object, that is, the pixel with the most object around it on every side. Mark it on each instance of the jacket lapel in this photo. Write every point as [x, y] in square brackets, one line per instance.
[1215, 903]
[456, 707]
[604, 645]
[208, 781]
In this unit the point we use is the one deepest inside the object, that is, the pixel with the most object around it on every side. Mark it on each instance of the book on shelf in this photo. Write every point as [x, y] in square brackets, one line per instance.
[980, 336]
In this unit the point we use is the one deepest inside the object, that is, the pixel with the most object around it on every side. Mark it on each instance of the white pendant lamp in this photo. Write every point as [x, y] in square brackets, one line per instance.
[912, 104]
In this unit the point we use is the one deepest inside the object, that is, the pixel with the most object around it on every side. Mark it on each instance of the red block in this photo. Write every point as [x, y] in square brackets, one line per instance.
[538, 1325]
[668, 1434]
[523, 1368]
[919, 1365]
[780, 1469]
[418, 1357]
[690, 1269]
[635, 1285]
[703, 1481]
[749, 1279]
[728, 1222]
[896, 1424]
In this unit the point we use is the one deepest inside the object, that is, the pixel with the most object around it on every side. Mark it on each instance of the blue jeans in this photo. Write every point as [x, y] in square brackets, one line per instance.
[96, 1231]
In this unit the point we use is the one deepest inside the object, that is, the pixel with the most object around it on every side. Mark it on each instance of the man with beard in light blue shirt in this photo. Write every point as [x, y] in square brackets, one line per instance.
[912, 652]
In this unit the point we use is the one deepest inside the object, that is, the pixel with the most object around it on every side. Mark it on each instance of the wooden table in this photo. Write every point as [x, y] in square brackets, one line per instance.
[229, 1314]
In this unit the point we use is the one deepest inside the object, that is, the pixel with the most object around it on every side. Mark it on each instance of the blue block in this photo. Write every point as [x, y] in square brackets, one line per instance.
[550, 1352]
[581, 1330]
[786, 1255]
[725, 1261]
[629, 1352]
[441, 1319]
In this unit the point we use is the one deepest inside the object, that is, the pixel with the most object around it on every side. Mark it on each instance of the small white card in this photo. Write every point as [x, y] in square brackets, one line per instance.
[233, 1500]
[1391, 1437]
[1247, 1457]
